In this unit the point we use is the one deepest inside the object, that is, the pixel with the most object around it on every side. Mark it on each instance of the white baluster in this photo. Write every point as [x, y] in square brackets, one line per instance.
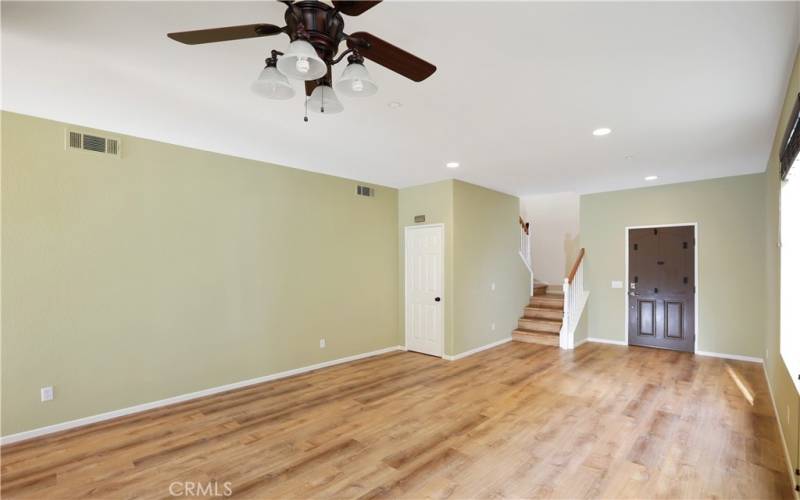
[563, 337]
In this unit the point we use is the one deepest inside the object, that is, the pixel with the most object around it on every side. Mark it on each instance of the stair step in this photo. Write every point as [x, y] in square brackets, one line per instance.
[540, 288]
[534, 337]
[539, 325]
[544, 313]
[555, 290]
[548, 301]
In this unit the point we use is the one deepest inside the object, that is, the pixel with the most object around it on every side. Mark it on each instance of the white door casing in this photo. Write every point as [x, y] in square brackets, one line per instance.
[424, 283]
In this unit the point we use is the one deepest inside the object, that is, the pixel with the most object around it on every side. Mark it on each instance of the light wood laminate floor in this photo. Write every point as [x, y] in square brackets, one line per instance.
[516, 421]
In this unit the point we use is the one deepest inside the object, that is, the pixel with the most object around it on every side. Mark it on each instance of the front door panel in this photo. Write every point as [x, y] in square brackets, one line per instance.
[661, 288]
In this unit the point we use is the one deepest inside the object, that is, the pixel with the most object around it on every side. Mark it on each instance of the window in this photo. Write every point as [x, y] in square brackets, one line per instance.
[790, 244]
[790, 272]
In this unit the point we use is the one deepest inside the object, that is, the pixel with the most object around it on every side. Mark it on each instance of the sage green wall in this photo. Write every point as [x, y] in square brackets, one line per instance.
[481, 247]
[730, 216]
[435, 202]
[173, 270]
[781, 381]
[486, 251]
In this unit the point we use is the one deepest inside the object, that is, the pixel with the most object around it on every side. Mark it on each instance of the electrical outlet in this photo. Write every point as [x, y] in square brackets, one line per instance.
[492, 326]
[322, 343]
[47, 393]
[616, 284]
[493, 287]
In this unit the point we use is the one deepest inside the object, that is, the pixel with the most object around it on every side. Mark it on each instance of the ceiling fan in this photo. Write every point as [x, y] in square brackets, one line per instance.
[315, 29]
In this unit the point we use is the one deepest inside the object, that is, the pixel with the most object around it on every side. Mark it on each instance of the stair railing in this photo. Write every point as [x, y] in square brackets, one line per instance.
[573, 300]
[525, 247]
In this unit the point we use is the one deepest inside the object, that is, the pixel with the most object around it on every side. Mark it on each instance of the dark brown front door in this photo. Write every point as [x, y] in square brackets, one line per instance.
[661, 287]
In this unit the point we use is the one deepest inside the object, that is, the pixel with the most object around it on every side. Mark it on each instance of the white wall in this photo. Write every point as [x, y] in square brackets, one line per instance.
[555, 226]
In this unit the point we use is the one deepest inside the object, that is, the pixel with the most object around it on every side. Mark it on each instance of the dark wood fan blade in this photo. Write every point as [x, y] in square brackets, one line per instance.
[354, 7]
[225, 34]
[389, 56]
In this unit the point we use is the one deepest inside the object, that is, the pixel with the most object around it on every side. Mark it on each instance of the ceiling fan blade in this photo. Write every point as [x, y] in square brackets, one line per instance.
[224, 34]
[389, 56]
[354, 7]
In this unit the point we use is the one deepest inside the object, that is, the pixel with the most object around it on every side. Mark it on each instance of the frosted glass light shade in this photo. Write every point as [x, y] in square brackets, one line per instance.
[302, 62]
[323, 100]
[356, 81]
[272, 84]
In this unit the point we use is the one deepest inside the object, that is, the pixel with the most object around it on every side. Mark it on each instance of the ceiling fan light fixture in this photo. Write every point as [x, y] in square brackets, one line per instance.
[273, 84]
[301, 62]
[323, 100]
[356, 81]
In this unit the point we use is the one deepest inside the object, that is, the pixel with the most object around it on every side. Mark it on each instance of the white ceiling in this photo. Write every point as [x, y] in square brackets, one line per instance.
[691, 90]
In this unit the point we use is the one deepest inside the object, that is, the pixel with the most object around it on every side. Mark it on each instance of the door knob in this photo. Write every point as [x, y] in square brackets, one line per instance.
[437, 299]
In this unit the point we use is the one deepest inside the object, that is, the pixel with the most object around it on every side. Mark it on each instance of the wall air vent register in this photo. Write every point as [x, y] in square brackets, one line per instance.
[80, 141]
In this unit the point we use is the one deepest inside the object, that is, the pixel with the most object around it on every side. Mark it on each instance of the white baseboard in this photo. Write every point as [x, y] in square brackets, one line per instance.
[607, 341]
[736, 357]
[41, 431]
[792, 476]
[581, 342]
[476, 350]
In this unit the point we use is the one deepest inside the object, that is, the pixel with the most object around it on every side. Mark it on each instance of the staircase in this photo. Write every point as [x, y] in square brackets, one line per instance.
[541, 322]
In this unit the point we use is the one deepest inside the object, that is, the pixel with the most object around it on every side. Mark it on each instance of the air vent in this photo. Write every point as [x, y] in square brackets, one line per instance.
[112, 146]
[77, 141]
[365, 191]
[94, 143]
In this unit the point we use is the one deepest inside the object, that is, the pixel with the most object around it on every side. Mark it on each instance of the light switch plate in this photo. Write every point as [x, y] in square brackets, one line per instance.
[616, 284]
[47, 393]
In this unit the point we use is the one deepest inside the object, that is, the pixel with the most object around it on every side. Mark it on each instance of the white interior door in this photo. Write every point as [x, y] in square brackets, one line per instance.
[424, 289]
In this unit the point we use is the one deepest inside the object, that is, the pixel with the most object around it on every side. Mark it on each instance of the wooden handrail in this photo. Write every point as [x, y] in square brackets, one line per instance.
[525, 225]
[575, 265]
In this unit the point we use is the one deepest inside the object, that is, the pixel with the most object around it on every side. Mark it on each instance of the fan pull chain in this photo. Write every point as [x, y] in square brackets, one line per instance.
[305, 116]
[322, 100]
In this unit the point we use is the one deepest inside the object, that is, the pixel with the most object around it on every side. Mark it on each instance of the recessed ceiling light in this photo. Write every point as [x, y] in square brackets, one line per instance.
[395, 105]
[452, 164]
[601, 131]
[651, 178]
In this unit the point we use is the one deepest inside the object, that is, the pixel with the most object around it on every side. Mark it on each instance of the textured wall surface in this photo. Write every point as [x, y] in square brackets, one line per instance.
[173, 270]
[730, 249]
